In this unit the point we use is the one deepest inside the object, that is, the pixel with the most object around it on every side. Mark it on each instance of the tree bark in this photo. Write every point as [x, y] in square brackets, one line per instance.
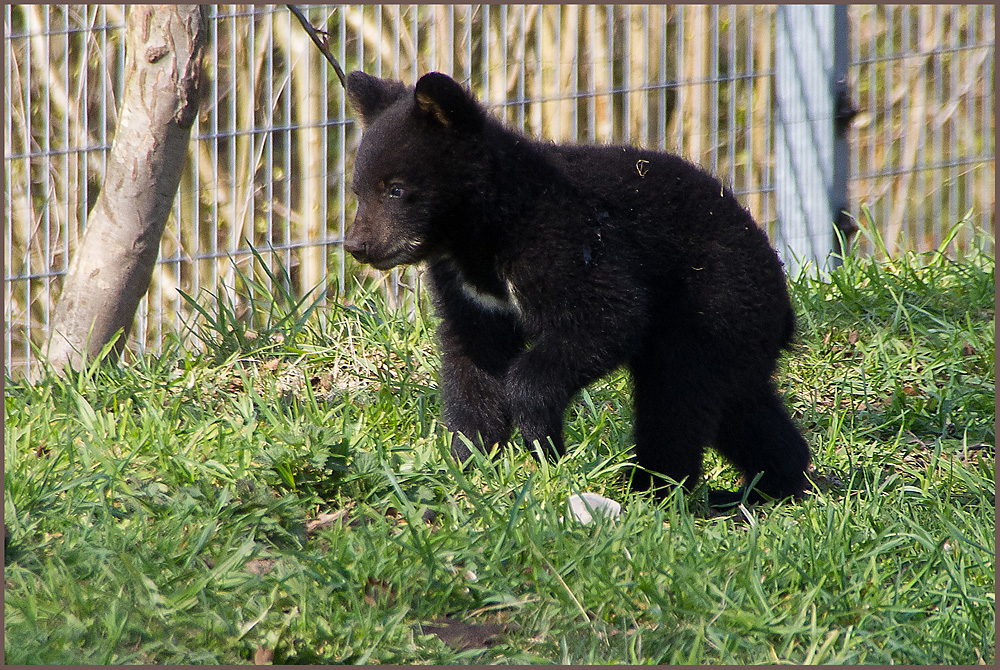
[114, 263]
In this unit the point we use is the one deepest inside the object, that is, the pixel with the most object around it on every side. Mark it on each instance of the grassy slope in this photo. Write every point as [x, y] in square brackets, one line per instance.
[166, 511]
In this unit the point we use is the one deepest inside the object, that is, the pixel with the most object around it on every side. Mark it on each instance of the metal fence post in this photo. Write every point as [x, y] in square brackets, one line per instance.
[810, 160]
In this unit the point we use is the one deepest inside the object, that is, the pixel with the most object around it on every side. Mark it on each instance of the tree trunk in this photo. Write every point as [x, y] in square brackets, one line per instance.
[114, 263]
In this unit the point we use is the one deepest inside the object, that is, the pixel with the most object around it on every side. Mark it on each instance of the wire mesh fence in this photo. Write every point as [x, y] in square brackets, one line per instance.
[271, 150]
[923, 151]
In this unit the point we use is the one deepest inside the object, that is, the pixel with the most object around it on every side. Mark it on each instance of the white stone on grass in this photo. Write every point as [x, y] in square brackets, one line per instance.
[584, 506]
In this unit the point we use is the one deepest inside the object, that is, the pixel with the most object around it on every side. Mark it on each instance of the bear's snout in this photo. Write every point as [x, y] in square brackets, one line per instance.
[358, 240]
[368, 244]
[356, 248]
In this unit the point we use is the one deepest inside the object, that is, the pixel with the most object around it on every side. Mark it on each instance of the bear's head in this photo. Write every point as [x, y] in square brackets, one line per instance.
[417, 167]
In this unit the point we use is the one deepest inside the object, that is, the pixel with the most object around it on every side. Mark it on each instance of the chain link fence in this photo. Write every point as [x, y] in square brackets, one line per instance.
[271, 149]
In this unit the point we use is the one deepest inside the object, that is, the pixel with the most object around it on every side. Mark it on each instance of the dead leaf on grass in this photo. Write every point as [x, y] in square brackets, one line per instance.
[326, 519]
[377, 588]
[263, 656]
[463, 636]
[322, 382]
[260, 566]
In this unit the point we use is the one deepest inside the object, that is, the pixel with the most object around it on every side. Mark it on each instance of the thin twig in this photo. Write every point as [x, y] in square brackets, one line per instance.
[321, 43]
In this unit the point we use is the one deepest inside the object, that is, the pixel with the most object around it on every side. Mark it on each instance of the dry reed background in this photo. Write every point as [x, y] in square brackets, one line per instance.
[272, 144]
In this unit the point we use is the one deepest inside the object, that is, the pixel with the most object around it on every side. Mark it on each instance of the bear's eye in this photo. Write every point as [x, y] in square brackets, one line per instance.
[395, 191]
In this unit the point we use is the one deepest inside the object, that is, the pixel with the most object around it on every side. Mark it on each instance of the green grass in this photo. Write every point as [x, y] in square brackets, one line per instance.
[161, 512]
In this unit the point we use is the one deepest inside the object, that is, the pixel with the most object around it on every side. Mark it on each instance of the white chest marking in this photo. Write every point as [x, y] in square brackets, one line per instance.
[487, 301]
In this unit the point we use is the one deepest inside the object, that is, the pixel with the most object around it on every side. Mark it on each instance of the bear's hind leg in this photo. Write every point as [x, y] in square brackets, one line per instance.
[758, 437]
[674, 421]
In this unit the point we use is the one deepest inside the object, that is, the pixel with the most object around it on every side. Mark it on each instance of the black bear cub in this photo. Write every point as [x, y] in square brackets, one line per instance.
[553, 265]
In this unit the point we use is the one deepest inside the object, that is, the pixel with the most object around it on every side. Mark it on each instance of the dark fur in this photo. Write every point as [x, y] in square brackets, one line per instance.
[554, 265]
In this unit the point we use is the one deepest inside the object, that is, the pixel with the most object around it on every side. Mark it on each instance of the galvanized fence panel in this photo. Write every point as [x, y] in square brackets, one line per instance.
[923, 147]
[271, 150]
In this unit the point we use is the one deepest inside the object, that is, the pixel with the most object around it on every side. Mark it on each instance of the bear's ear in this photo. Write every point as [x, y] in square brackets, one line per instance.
[441, 98]
[370, 96]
